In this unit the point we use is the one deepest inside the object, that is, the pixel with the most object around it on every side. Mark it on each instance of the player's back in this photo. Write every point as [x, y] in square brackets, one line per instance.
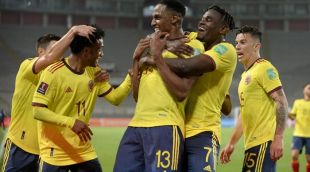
[23, 127]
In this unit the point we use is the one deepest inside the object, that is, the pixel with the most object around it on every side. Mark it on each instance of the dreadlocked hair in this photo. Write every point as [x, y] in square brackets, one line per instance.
[226, 17]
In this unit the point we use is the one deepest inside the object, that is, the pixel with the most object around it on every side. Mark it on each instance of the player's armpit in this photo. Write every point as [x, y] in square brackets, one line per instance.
[226, 106]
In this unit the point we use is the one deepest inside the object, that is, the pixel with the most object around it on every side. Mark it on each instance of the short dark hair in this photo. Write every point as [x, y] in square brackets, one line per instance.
[80, 42]
[306, 84]
[226, 17]
[174, 5]
[252, 30]
[43, 41]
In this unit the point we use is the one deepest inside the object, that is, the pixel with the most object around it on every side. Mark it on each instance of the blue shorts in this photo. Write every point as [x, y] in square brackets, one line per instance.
[16, 159]
[258, 159]
[201, 152]
[300, 142]
[92, 165]
[150, 149]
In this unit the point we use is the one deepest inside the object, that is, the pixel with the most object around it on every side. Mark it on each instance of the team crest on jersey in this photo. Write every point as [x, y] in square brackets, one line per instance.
[91, 85]
[271, 73]
[247, 80]
[42, 88]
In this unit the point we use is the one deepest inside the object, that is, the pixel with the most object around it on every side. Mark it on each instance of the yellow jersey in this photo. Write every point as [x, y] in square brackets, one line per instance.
[71, 96]
[257, 108]
[23, 127]
[203, 109]
[301, 110]
[156, 106]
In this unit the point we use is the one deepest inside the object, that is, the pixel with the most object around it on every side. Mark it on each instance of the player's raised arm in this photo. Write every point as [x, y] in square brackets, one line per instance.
[276, 148]
[141, 47]
[57, 51]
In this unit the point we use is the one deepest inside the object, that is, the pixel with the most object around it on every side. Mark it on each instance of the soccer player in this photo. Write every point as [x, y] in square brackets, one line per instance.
[203, 110]
[301, 113]
[263, 107]
[21, 149]
[63, 104]
[154, 137]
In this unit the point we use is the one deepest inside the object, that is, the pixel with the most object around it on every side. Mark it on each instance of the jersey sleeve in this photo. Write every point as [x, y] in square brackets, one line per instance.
[117, 95]
[294, 109]
[269, 78]
[104, 88]
[221, 54]
[27, 69]
[46, 89]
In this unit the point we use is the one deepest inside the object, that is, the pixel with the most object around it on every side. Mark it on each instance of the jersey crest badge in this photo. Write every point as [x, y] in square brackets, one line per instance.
[271, 74]
[91, 85]
[42, 88]
[247, 80]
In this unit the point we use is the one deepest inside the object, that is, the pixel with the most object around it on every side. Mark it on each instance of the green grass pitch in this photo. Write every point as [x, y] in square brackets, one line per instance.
[106, 142]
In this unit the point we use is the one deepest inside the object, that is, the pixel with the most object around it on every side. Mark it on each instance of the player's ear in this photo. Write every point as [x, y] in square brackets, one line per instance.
[175, 19]
[40, 51]
[224, 30]
[257, 45]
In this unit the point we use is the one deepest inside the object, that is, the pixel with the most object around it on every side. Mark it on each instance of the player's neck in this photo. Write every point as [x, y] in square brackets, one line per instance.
[76, 64]
[251, 61]
[175, 34]
[209, 45]
[306, 98]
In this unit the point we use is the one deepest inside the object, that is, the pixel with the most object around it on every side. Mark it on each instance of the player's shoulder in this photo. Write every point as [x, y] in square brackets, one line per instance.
[191, 35]
[196, 44]
[224, 49]
[298, 101]
[29, 60]
[263, 63]
[55, 66]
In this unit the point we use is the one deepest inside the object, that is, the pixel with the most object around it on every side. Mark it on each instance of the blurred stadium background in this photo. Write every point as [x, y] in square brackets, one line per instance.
[285, 23]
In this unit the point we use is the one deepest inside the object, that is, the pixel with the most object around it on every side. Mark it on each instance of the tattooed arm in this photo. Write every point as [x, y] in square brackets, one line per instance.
[276, 149]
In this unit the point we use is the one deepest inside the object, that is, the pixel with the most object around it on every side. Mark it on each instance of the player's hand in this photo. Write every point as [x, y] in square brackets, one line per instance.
[276, 148]
[146, 61]
[158, 43]
[181, 48]
[102, 76]
[83, 30]
[82, 130]
[226, 153]
[142, 45]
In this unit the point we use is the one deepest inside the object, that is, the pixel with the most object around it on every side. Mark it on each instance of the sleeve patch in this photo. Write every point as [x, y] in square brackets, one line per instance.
[197, 51]
[220, 49]
[271, 73]
[42, 88]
